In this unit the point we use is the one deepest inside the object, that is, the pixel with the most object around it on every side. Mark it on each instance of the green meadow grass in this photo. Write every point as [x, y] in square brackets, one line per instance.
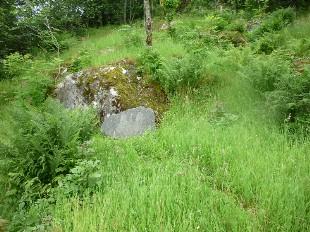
[108, 45]
[193, 175]
[197, 173]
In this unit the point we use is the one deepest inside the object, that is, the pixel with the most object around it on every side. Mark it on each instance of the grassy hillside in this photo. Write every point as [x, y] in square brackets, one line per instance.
[224, 157]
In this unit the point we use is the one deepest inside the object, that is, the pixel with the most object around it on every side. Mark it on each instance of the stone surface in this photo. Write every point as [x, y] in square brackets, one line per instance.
[110, 90]
[69, 93]
[129, 123]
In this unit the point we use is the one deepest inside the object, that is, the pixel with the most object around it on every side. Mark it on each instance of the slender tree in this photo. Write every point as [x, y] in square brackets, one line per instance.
[125, 11]
[148, 22]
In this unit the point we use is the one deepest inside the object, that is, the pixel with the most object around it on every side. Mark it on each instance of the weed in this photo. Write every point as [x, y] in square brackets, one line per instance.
[43, 146]
[15, 64]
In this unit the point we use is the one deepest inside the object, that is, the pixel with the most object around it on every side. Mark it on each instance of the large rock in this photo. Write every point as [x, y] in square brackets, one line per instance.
[110, 90]
[129, 123]
[69, 93]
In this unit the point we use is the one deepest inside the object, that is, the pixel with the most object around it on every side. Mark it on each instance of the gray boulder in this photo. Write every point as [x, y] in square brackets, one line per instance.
[78, 90]
[111, 89]
[129, 123]
[69, 94]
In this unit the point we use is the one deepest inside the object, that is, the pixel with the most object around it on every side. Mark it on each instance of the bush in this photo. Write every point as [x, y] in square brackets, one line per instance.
[264, 76]
[237, 25]
[41, 145]
[82, 60]
[178, 73]
[301, 47]
[150, 62]
[175, 73]
[15, 64]
[217, 22]
[132, 36]
[291, 98]
[286, 92]
[274, 22]
[268, 43]
[37, 218]
[84, 176]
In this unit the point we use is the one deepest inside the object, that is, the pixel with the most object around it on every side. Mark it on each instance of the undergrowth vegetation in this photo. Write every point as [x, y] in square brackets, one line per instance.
[231, 153]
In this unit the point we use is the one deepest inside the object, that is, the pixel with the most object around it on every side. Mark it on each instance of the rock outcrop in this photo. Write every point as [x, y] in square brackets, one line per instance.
[129, 123]
[111, 89]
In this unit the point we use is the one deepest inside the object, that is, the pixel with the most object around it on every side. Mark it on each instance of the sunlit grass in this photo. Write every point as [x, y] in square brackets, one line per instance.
[194, 174]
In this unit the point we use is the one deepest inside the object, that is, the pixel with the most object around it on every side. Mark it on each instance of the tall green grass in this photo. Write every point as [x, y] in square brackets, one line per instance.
[194, 175]
[216, 163]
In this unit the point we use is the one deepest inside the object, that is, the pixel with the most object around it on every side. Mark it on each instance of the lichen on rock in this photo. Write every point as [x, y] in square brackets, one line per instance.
[111, 89]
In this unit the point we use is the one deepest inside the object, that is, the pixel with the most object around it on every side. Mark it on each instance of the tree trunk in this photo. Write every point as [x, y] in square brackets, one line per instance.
[125, 11]
[148, 22]
[130, 11]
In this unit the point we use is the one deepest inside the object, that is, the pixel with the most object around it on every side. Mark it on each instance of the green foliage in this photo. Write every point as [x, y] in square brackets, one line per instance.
[170, 4]
[37, 218]
[132, 37]
[286, 92]
[150, 62]
[301, 47]
[274, 22]
[237, 25]
[268, 43]
[170, 7]
[44, 145]
[291, 99]
[175, 73]
[83, 176]
[250, 5]
[265, 76]
[32, 82]
[81, 61]
[15, 64]
[178, 73]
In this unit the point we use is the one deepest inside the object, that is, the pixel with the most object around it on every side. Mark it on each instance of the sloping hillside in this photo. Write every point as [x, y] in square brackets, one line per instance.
[230, 154]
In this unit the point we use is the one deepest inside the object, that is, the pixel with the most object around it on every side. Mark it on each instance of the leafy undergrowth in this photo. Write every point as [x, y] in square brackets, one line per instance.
[231, 154]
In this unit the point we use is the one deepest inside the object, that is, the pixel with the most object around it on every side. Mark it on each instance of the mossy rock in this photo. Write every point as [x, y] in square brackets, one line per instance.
[112, 89]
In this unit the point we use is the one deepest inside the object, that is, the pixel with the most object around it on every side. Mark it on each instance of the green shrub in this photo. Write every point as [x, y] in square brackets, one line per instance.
[131, 36]
[291, 98]
[150, 62]
[274, 22]
[65, 40]
[286, 92]
[35, 89]
[82, 60]
[41, 145]
[178, 73]
[175, 73]
[36, 218]
[15, 64]
[237, 25]
[134, 39]
[190, 36]
[84, 176]
[217, 22]
[170, 7]
[268, 43]
[301, 47]
[264, 76]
